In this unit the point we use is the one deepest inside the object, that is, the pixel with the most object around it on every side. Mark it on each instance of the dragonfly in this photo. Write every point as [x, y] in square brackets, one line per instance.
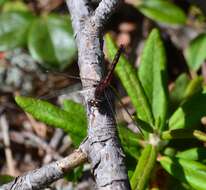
[100, 87]
[105, 83]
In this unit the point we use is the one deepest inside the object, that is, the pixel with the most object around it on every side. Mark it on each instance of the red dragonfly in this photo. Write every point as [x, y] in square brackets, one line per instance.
[103, 84]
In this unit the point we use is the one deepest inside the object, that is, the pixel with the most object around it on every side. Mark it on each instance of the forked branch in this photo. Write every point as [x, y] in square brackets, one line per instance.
[102, 145]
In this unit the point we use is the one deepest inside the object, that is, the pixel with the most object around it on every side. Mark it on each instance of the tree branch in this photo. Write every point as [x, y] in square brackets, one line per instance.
[42, 177]
[104, 11]
[102, 145]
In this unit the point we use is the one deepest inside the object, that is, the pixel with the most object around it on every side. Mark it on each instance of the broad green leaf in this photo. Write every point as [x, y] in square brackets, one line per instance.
[180, 86]
[192, 172]
[195, 53]
[75, 108]
[198, 154]
[189, 114]
[144, 168]
[14, 29]
[131, 83]
[162, 11]
[71, 106]
[153, 76]
[72, 122]
[129, 141]
[51, 41]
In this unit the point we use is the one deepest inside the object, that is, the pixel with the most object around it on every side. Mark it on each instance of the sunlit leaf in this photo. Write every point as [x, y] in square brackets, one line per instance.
[195, 86]
[73, 122]
[162, 11]
[129, 141]
[131, 83]
[144, 168]
[153, 76]
[195, 53]
[198, 154]
[191, 172]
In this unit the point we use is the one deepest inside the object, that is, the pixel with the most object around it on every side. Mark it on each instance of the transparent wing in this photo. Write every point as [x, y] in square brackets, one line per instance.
[126, 110]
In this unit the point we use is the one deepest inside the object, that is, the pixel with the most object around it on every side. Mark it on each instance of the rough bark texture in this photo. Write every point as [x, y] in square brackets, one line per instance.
[44, 176]
[102, 145]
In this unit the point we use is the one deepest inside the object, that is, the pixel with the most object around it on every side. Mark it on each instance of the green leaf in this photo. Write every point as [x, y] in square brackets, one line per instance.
[162, 11]
[72, 122]
[189, 114]
[153, 76]
[14, 29]
[195, 53]
[131, 83]
[200, 135]
[178, 92]
[72, 107]
[185, 89]
[53, 46]
[195, 86]
[129, 141]
[144, 168]
[192, 172]
[169, 151]
[196, 154]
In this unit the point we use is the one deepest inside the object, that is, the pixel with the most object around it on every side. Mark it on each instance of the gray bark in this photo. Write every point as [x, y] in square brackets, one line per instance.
[44, 176]
[102, 145]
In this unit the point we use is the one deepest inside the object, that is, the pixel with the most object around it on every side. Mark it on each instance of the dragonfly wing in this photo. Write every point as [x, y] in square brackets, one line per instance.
[75, 94]
[67, 92]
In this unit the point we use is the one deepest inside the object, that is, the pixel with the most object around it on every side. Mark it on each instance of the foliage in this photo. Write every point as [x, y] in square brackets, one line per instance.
[170, 119]
[195, 53]
[162, 11]
[181, 124]
[49, 38]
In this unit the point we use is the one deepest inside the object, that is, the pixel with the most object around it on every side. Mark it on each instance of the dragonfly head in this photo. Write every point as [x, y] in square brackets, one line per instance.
[94, 103]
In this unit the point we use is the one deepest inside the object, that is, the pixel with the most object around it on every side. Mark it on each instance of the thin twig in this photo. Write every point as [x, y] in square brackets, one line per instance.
[9, 158]
[41, 177]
